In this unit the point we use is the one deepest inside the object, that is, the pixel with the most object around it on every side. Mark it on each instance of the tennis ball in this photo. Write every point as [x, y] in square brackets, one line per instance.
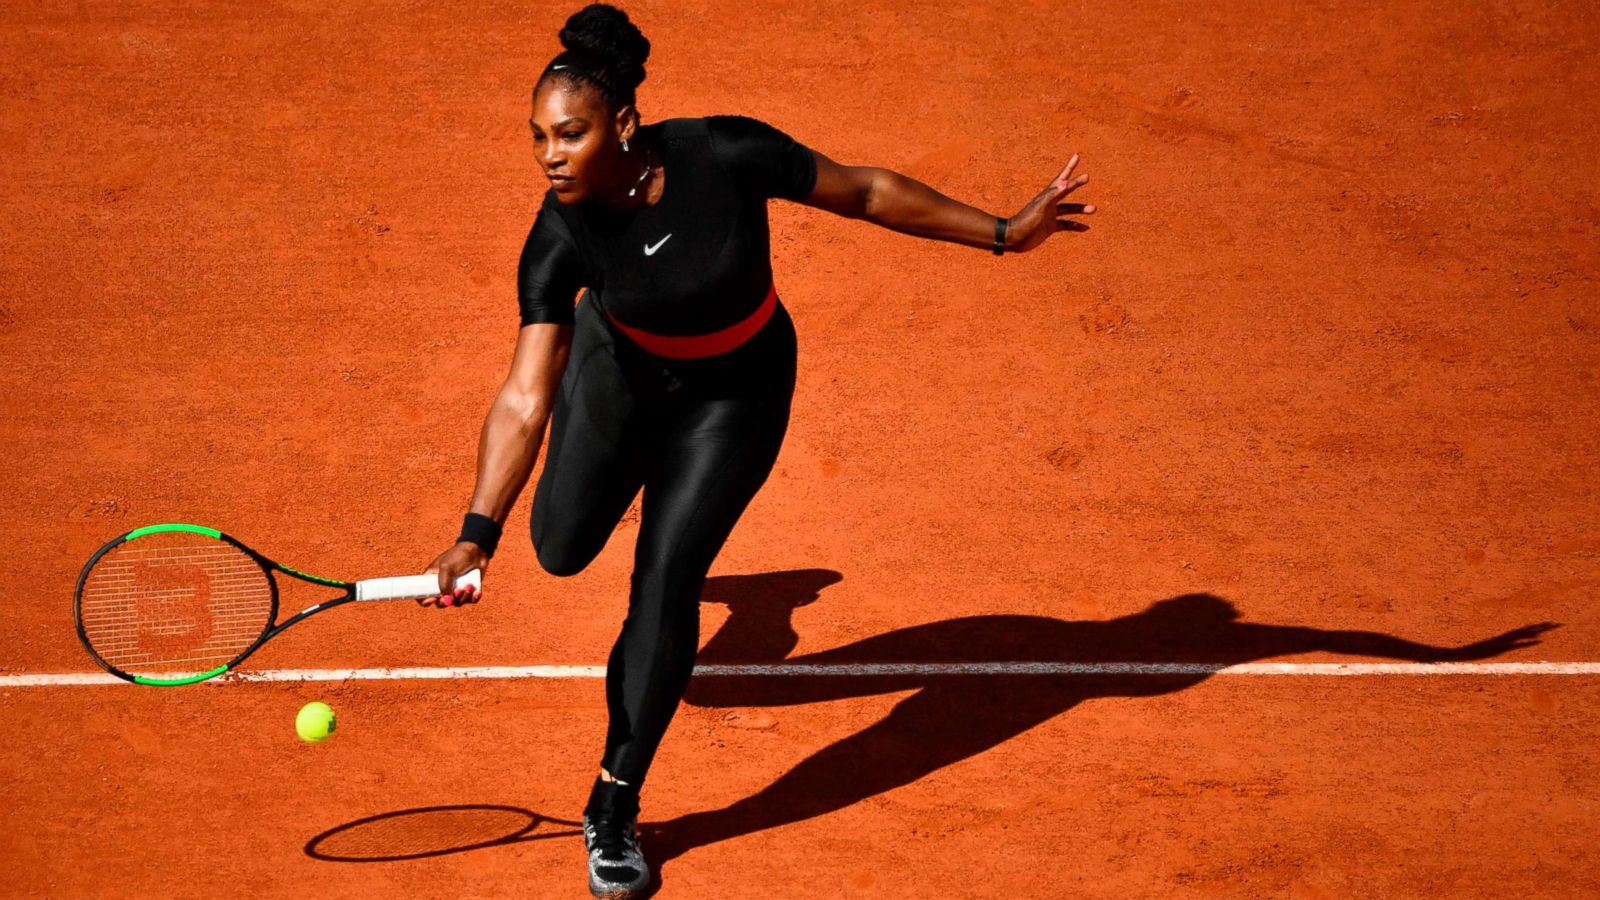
[314, 722]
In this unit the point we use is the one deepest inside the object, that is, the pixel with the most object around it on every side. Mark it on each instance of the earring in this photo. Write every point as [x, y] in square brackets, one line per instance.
[624, 145]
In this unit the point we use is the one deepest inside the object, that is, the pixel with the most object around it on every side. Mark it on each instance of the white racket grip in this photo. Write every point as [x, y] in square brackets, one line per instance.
[410, 587]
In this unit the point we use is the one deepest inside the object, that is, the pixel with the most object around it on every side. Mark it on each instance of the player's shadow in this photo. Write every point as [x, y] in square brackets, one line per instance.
[953, 717]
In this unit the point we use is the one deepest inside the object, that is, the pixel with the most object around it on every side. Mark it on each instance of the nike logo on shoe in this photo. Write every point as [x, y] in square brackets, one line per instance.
[650, 251]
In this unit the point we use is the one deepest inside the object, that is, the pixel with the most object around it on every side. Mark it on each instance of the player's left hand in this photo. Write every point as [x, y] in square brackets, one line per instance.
[1042, 216]
[1515, 639]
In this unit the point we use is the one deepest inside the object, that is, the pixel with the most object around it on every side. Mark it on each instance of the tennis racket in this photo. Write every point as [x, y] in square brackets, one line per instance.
[177, 603]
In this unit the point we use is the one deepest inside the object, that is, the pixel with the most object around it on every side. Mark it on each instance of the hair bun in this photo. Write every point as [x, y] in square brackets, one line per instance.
[604, 31]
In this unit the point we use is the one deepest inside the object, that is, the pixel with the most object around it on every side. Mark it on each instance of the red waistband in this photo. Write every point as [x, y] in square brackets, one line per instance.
[695, 346]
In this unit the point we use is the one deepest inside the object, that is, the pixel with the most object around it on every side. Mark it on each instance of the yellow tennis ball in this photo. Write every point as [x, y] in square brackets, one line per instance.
[314, 722]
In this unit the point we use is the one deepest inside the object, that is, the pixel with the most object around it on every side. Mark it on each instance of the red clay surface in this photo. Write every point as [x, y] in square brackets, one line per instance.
[1329, 355]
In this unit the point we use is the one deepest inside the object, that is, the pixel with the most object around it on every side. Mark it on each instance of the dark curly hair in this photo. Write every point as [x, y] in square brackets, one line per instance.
[603, 48]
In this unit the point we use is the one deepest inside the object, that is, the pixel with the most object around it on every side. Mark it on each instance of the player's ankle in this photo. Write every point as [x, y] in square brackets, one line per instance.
[612, 798]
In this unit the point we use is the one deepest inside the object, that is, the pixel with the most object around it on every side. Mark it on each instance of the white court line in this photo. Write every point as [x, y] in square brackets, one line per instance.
[864, 669]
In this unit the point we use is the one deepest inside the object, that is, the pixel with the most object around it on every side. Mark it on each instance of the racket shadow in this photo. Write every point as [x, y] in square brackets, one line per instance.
[428, 831]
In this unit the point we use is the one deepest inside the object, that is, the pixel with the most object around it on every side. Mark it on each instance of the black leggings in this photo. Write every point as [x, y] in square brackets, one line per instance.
[700, 436]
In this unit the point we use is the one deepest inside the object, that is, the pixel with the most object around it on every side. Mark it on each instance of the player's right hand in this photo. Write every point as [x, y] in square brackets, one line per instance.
[450, 565]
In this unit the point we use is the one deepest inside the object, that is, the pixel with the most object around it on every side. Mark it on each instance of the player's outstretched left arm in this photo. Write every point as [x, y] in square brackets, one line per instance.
[1286, 639]
[904, 204]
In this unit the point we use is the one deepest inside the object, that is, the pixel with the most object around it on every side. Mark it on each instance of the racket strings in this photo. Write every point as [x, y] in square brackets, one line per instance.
[174, 603]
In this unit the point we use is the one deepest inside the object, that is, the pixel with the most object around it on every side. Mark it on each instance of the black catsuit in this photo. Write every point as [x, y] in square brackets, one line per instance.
[699, 435]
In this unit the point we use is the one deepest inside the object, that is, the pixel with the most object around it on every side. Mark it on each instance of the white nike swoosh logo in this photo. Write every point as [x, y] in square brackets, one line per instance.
[650, 251]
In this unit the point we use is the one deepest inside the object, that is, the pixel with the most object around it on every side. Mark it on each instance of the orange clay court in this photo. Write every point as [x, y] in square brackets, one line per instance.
[1318, 387]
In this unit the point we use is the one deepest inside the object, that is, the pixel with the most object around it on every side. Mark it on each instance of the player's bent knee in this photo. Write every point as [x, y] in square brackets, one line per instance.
[560, 561]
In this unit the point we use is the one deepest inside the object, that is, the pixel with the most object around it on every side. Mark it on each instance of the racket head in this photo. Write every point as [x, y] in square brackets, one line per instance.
[173, 604]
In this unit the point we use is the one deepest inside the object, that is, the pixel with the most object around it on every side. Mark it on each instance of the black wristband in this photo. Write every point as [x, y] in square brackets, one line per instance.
[481, 530]
[1000, 226]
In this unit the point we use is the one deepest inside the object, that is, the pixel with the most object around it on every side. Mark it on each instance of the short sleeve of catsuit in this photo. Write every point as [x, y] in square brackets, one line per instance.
[550, 272]
[762, 158]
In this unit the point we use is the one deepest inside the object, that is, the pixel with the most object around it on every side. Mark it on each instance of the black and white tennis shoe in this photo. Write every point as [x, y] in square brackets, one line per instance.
[617, 869]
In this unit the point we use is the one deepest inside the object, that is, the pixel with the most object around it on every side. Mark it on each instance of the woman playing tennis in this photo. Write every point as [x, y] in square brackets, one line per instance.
[673, 371]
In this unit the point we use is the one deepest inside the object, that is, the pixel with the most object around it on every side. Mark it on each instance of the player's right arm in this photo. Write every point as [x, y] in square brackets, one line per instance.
[509, 442]
[549, 275]
[514, 430]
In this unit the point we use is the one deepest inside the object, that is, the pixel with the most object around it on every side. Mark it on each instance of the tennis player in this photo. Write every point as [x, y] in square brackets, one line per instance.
[674, 369]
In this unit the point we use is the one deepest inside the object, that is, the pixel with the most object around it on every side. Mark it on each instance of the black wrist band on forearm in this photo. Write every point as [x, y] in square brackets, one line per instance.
[999, 236]
[481, 530]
